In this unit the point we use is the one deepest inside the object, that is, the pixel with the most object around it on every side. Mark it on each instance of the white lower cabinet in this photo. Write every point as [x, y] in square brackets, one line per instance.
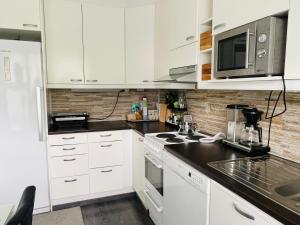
[138, 164]
[105, 154]
[64, 140]
[89, 165]
[69, 165]
[70, 186]
[105, 136]
[228, 208]
[106, 179]
[65, 150]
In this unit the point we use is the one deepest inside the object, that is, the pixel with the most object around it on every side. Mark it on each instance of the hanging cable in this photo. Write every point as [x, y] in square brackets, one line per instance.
[274, 108]
[114, 108]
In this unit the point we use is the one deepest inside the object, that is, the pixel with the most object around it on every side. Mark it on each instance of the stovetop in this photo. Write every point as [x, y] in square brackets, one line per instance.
[173, 138]
[155, 143]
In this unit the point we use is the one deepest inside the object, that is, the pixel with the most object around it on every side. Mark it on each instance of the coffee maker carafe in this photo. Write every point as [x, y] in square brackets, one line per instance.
[251, 135]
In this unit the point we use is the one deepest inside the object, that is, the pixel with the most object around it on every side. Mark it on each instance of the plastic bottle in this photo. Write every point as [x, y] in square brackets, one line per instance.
[145, 109]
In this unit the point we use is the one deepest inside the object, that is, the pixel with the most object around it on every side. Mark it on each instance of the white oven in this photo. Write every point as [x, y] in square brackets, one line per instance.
[154, 169]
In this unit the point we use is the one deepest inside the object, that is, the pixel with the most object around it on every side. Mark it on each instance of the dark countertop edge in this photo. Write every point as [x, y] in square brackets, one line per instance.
[138, 132]
[277, 211]
[85, 131]
[141, 128]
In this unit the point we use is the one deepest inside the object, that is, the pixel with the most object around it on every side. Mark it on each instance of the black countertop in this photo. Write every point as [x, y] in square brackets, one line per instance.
[151, 127]
[141, 127]
[198, 155]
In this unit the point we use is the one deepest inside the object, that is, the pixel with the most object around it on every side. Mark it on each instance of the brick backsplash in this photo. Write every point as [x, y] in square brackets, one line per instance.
[98, 104]
[209, 112]
[207, 107]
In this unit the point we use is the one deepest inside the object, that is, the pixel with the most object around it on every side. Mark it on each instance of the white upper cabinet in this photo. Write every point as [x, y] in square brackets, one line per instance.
[139, 44]
[234, 13]
[104, 44]
[64, 49]
[162, 40]
[292, 66]
[20, 14]
[183, 22]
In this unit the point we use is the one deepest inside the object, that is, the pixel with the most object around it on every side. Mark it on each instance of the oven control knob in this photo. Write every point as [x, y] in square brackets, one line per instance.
[261, 53]
[262, 38]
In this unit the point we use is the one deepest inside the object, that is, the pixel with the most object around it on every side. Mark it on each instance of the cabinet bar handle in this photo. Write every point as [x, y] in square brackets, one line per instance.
[69, 149]
[219, 26]
[244, 214]
[106, 146]
[106, 135]
[146, 81]
[68, 138]
[69, 160]
[190, 38]
[70, 181]
[92, 81]
[106, 171]
[29, 25]
[76, 80]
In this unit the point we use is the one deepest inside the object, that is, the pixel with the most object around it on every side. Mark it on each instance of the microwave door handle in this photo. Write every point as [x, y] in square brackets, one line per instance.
[247, 49]
[249, 34]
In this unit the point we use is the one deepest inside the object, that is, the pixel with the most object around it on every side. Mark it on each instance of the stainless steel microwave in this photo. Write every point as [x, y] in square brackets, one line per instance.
[255, 49]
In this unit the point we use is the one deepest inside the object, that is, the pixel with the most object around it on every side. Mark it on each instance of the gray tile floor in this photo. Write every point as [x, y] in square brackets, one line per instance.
[127, 211]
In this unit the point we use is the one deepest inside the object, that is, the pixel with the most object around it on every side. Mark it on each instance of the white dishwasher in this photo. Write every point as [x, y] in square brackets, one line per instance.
[186, 194]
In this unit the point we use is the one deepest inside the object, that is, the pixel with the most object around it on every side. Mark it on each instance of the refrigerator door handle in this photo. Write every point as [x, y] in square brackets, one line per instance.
[39, 103]
[7, 72]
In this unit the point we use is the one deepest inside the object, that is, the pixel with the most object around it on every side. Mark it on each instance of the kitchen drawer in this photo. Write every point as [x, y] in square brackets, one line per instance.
[67, 139]
[69, 165]
[155, 210]
[105, 154]
[237, 210]
[65, 150]
[106, 179]
[105, 136]
[70, 186]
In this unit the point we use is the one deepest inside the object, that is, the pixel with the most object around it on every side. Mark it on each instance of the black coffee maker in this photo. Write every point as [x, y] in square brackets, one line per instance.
[251, 136]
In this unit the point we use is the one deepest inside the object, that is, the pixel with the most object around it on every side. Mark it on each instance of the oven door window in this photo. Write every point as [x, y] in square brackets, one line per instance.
[232, 53]
[154, 175]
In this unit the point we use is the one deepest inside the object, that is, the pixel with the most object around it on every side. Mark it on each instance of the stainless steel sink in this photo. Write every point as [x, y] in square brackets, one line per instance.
[289, 190]
[274, 177]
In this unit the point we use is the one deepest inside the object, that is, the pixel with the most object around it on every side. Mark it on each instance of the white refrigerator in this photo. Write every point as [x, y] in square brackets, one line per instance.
[23, 157]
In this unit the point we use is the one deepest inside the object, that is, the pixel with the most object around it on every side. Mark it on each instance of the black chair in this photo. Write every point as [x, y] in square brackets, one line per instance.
[23, 215]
